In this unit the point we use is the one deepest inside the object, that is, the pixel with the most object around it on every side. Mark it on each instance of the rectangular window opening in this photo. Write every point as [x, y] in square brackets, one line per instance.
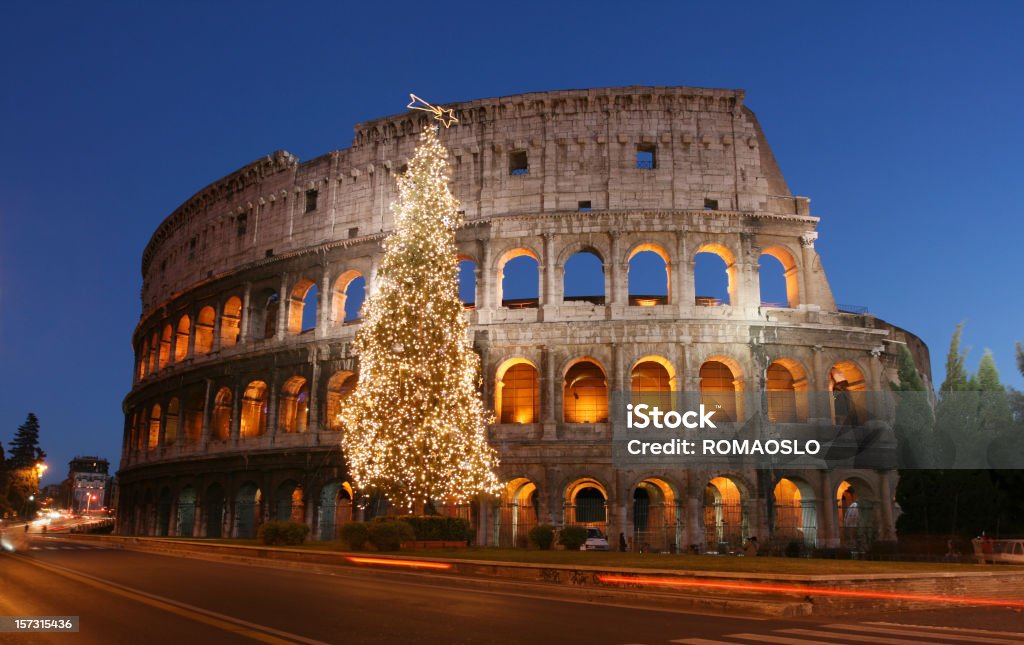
[518, 163]
[353, 232]
[241, 221]
[311, 197]
[711, 204]
[646, 156]
[583, 206]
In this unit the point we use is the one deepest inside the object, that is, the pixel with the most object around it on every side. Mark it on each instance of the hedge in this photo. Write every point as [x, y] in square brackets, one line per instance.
[388, 534]
[542, 536]
[572, 537]
[276, 533]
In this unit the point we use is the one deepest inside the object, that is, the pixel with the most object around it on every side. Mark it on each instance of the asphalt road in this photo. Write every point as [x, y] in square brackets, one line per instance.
[132, 597]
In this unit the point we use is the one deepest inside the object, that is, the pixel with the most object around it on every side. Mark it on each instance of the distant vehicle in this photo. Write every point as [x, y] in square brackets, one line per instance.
[1003, 551]
[595, 541]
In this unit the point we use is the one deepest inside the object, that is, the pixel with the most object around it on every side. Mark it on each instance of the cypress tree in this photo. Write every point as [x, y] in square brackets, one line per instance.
[25, 450]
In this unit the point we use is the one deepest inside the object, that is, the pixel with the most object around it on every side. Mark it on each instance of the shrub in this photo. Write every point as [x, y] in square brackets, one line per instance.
[388, 534]
[438, 527]
[572, 537]
[542, 536]
[354, 535]
[277, 533]
[794, 549]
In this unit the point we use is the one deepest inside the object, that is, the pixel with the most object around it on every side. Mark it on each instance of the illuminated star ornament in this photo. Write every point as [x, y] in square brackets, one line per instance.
[445, 116]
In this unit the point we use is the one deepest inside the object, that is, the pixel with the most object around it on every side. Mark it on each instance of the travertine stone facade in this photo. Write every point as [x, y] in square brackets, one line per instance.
[613, 172]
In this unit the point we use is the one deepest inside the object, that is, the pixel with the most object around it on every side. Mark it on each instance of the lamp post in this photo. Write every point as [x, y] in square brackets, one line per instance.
[88, 502]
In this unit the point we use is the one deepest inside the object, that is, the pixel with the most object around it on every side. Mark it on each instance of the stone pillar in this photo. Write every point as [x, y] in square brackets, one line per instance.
[204, 440]
[615, 273]
[547, 292]
[885, 500]
[819, 410]
[245, 316]
[218, 322]
[192, 319]
[284, 302]
[272, 404]
[809, 292]
[324, 301]
[313, 424]
[694, 511]
[484, 287]
[161, 433]
[548, 399]
[236, 414]
[830, 517]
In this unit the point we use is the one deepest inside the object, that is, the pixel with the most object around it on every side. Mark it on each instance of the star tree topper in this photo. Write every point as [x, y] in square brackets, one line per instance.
[444, 115]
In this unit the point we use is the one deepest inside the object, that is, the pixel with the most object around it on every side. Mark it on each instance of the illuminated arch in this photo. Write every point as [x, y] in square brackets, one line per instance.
[725, 517]
[154, 351]
[155, 416]
[293, 408]
[727, 257]
[790, 273]
[586, 503]
[795, 511]
[302, 301]
[347, 296]
[652, 382]
[221, 429]
[518, 514]
[642, 259]
[172, 422]
[231, 322]
[657, 516]
[517, 392]
[857, 508]
[289, 502]
[339, 386]
[204, 330]
[786, 386]
[195, 407]
[848, 394]
[585, 392]
[254, 410]
[529, 301]
[334, 509]
[181, 338]
[720, 385]
[165, 346]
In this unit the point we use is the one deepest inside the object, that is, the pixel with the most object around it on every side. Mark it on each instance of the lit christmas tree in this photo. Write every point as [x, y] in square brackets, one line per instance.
[415, 428]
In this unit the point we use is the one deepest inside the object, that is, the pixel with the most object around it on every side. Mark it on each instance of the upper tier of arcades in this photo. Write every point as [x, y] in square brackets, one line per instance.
[627, 149]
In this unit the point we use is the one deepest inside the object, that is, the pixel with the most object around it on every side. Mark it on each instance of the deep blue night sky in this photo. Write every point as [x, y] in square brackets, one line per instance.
[901, 123]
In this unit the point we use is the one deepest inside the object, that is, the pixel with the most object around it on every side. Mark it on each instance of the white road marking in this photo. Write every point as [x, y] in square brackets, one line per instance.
[920, 631]
[956, 630]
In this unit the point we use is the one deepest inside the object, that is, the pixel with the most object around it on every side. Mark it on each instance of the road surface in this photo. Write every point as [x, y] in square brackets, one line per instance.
[124, 596]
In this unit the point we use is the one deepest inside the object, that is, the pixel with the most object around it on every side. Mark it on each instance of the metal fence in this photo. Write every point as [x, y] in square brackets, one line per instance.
[725, 527]
[656, 527]
[512, 525]
[796, 522]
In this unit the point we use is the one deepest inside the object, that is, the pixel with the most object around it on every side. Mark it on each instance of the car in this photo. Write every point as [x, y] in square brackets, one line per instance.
[596, 541]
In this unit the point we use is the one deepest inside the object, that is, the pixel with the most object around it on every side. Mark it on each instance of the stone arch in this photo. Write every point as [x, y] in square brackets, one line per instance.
[517, 391]
[155, 418]
[642, 262]
[339, 387]
[265, 307]
[857, 512]
[204, 330]
[847, 388]
[172, 422]
[786, 387]
[248, 510]
[153, 352]
[231, 322]
[584, 264]
[657, 516]
[334, 509]
[213, 510]
[186, 515]
[467, 281]
[253, 422]
[725, 514]
[289, 502]
[166, 337]
[347, 296]
[528, 298]
[184, 330]
[585, 392]
[301, 301]
[586, 503]
[520, 508]
[163, 512]
[222, 407]
[795, 511]
[652, 382]
[728, 258]
[195, 407]
[789, 273]
[293, 406]
[721, 381]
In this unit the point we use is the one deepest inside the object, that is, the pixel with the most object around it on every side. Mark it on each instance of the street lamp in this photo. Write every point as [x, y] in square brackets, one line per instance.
[88, 502]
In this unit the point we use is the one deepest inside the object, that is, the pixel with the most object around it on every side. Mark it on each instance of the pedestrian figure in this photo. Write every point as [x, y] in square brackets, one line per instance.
[622, 542]
[750, 549]
[986, 548]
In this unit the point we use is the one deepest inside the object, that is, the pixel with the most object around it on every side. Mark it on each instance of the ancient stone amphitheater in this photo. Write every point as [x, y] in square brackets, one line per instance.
[251, 294]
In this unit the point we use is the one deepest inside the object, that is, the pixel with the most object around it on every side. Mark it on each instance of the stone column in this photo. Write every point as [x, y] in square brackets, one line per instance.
[204, 440]
[193, 320]
[272, 405]
[218, 322]
[615, 272]
[236, 414]
[484, 287]
[548, 399]
[245, 316]
[324, 301]
[885, 501]
[819, 411]
[547, 292]
[313, 424]
[284, 302]
[809, 295]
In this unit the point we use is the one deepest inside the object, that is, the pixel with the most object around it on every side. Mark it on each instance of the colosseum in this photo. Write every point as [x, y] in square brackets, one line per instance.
[252, 290]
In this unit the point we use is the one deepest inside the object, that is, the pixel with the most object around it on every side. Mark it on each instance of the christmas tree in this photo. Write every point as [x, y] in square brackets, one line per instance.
[415, 428]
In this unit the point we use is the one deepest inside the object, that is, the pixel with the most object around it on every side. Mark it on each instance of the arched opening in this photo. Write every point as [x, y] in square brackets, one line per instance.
[142, 430]
[154, 351]
[140, 360]
[519, 279]
[221, 429]
[181, 339]
[163, 512]
[585, 393]
[583, 279]
[586, 504]
[657, 521]
[172, 422]
[856, 512]
[848, 398]
[520, 508]
[795, 513]
[339, 386]
[231, 322]
[195, 406]
[288, 503]
[786, 388]
[719, 389]
[213, 502]
[248, 514]
[725, 518]
[266, 303]
[653, 382]
[154, 427]
[254, 410]
[467, 283]
[302, 307]
[650, 277]
[293, 407]
[517, 392]
[186, 520]
[778, 275]
[714, 276]
[335, 509]
[165, 346]
[204, 331]
[348, 295]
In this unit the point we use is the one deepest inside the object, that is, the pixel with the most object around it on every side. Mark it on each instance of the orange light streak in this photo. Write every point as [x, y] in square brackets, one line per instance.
[414, 564]
[804, 589]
